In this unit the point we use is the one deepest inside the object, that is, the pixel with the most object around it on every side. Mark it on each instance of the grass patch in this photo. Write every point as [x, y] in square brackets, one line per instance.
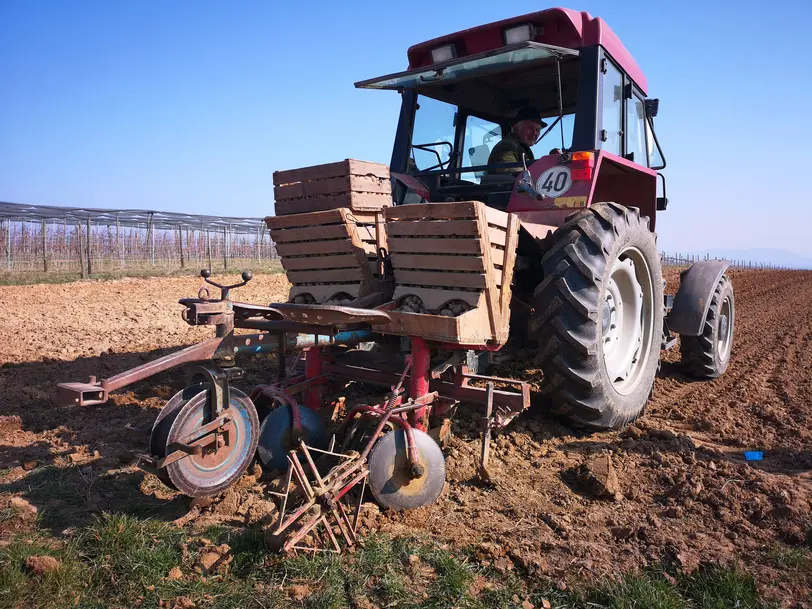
[120, 560]
[786, 557]
[136, 271]
[637, 592]
[718, 588]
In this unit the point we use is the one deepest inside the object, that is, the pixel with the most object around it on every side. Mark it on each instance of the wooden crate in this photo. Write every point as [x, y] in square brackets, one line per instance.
[357, 185]
[446, 252]
[329, 256]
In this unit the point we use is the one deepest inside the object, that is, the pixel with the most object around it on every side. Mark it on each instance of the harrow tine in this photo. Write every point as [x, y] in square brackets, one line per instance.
[312, 465]
[330, 533]
[358, 507]
[306, 528]
[285, 500]
[344, 523]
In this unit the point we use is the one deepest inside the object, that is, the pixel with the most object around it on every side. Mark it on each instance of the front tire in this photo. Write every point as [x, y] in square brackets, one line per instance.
[707, 356]
[599, 317]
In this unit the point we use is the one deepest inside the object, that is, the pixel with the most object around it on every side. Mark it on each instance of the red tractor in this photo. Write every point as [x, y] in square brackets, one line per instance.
[588, 288]
[518, 212]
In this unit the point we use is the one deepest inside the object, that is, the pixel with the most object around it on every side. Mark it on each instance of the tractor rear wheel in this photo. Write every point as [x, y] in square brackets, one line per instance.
[706, 356]
[598, 316]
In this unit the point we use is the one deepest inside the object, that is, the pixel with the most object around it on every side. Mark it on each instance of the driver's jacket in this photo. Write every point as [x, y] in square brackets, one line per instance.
[509, 150]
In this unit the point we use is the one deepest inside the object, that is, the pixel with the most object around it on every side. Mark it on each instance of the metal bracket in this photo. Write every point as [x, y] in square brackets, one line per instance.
[219, 393]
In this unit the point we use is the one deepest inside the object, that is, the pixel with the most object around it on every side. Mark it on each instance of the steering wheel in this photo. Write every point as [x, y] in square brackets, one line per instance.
[431, 148]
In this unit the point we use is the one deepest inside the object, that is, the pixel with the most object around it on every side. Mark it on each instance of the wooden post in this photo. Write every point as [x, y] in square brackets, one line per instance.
[151, 229]
[89, 267]
[180, 240]
[208, 246]
[225, 248]
[259, 243]
[79, 247]
[44, 248]
[8, 243]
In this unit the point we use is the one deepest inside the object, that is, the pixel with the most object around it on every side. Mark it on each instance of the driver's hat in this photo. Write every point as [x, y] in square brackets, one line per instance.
[529, 113]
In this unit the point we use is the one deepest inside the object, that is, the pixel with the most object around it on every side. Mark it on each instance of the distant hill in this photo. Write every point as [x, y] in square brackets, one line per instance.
[762, 255]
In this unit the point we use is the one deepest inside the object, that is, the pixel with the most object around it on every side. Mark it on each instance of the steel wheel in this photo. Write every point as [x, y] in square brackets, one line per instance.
[221, 463]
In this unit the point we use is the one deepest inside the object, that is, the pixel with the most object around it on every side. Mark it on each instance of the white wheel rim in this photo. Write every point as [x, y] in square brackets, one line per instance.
[627, 320]
[725, 331]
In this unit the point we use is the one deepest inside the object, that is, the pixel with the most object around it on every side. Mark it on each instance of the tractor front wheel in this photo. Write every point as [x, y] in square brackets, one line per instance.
[598, 316]
[706, 356]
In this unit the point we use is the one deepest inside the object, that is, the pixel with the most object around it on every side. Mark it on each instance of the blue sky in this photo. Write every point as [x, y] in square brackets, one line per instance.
[191, 105]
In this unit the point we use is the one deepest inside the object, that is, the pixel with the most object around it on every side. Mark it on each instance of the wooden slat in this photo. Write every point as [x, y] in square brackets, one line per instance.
[331, 216]
[330, 170]
[340, 246]
[319, 262]
[497, 256]
[435, 298]
[444, 228]
[507, 269]
[460, 280]
[491, 295]
[311, 233]
[440, 263]
[496, 216]
[343, 184]
[326, 275]
[358, 201]
[497, 236]
[409, 245]
[437, 211]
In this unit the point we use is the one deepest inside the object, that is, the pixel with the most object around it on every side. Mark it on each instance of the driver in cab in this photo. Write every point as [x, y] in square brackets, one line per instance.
[525, 133]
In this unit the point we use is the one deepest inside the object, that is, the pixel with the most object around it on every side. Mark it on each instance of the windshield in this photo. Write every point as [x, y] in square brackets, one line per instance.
[434, 145]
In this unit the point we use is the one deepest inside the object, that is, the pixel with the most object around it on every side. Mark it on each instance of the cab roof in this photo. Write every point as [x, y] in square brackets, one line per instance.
[555, 26]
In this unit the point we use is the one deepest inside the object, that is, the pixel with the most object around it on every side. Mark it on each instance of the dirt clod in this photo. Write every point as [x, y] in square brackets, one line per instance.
[40, 565]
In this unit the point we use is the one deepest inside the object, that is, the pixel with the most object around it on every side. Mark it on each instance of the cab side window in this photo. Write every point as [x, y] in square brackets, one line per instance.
[612, 109]
[635, 131]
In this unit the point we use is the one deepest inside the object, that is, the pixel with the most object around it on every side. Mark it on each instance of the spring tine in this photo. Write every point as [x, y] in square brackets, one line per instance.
[331, 534]
[358, 507]
[303, 531]
[285, 500]
[338, 512]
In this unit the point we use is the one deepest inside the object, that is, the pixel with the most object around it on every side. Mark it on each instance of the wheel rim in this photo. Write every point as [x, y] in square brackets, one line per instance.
[725, 332]
[627, 320]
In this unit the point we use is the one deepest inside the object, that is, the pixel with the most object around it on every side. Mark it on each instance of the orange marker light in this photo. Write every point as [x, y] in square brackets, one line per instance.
[581, 156]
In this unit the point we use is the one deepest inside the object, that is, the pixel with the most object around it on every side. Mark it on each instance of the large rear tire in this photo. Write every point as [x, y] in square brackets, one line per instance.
[707, 356]
[599, 317]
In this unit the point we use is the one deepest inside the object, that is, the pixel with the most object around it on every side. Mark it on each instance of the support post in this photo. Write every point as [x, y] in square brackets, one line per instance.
[79, 247]
[419, 381]
[89, 266]
[208, 246]
[180, 240]
[44, 248]
[151, 226]
[312, 370]
[225, 248]
[8, 243]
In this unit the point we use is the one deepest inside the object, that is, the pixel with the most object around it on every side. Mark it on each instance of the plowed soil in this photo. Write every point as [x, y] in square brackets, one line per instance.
[685, 494]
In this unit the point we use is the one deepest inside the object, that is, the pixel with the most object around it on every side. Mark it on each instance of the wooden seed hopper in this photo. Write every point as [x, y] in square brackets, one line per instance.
[329, 256]
[352, 184]
[445, 253]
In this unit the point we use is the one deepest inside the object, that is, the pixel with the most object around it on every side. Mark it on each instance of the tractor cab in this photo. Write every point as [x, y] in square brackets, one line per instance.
[461, 94]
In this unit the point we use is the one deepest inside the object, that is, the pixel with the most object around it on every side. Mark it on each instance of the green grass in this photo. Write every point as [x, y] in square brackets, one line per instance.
[137, 271]
[122, 561]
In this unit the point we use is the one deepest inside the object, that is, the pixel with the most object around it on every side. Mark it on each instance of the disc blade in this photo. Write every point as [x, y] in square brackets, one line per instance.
[389, 477]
